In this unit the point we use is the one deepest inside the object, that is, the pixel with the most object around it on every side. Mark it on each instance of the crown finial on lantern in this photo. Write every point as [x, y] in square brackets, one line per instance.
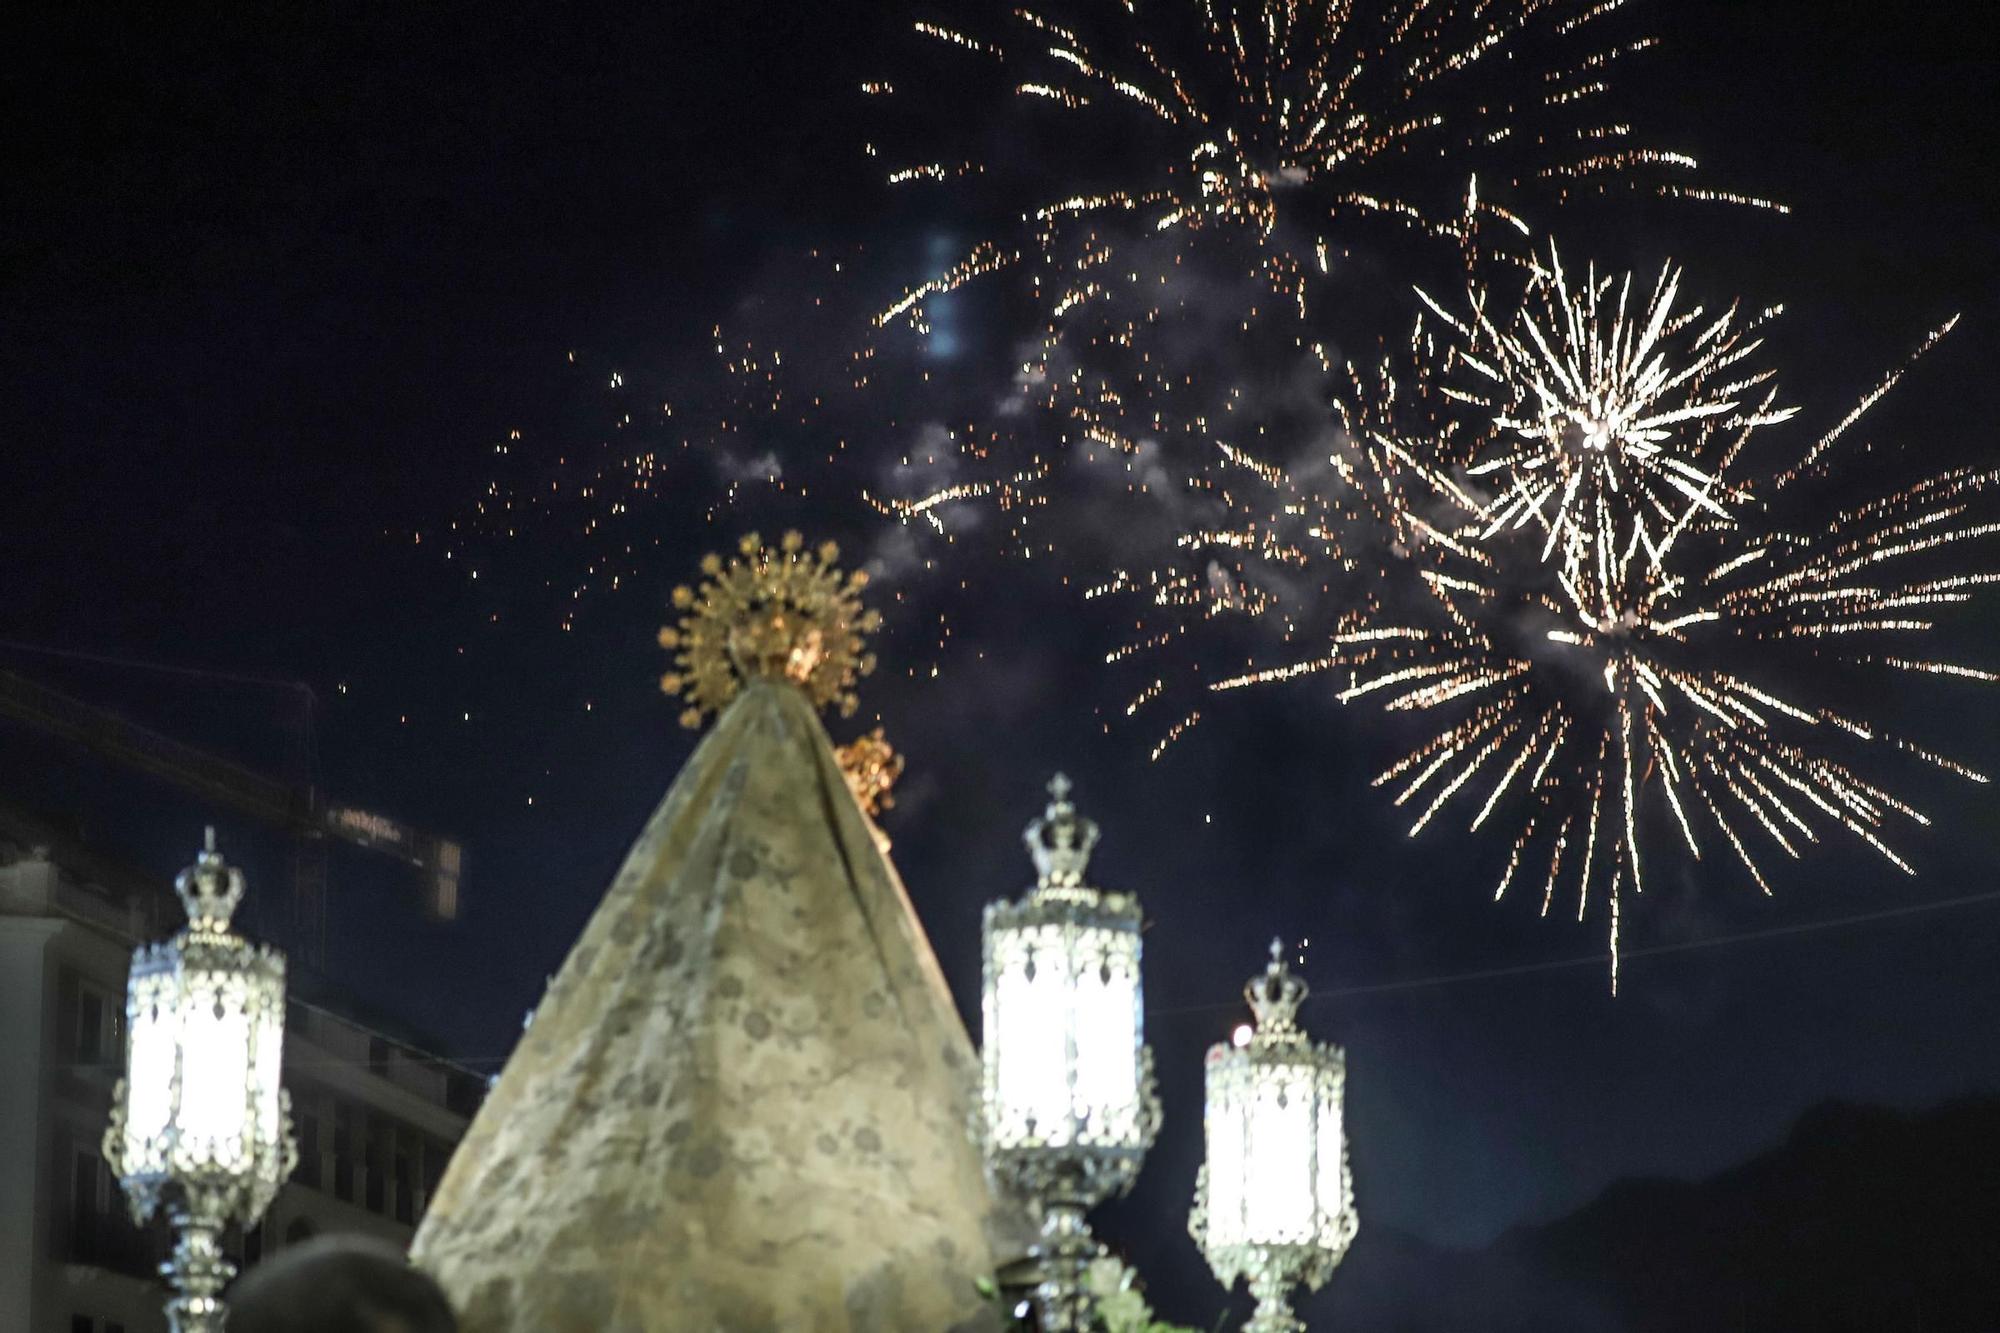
[209, 889]
[777, 613]
[1276, 996]
[1059, 840]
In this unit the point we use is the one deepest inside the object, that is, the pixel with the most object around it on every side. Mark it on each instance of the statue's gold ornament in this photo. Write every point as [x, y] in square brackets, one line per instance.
[776, 612]
[871, 766]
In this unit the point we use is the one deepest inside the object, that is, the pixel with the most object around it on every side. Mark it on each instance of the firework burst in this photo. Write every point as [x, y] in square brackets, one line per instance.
[1204, 164]
[1693, 679]
[1259, 113]
[1606, 414]
[1691, 662]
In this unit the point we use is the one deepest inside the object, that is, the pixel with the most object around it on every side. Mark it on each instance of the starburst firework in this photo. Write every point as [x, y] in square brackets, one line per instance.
[1685, 679]
[1605, 413]
[1690, 651]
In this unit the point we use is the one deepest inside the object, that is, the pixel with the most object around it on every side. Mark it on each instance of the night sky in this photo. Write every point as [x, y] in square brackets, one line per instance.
[277, 284]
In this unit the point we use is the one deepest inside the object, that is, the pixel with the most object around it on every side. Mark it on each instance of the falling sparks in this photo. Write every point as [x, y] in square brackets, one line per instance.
[785, 411]
[1211, 162]
[1275, 119]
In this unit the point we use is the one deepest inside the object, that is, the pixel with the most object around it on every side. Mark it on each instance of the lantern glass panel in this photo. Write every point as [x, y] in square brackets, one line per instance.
[1228, 1074]
[1031, 1042]
[215, 1071]
[270, 1046]
[1106, 1023]
[1278, 1178]
[1063, 1024]
[1331, 1166]
[1276, 1166]
[152, 1047]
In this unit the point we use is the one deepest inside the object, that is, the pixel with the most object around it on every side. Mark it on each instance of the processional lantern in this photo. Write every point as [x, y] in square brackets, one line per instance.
[200, 1126]
[1275, 1199]
[1069, 1106]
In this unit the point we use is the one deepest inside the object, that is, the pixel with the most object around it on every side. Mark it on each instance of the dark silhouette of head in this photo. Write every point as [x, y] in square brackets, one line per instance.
[339, 1284]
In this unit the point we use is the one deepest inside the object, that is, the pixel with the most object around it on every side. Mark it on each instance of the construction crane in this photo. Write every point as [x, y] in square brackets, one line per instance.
[295, 807]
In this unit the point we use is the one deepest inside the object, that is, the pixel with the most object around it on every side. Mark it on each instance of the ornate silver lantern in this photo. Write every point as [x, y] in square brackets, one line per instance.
[1275, 1200]
[199, 1124]
[1069, 1106]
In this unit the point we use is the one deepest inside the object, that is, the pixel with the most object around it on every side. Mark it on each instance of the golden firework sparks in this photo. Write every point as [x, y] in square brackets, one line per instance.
[1607, 413]
[1308, 109]
[1588, 649]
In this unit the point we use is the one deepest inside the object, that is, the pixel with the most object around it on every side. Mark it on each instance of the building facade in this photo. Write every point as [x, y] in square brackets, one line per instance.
[376, 1116]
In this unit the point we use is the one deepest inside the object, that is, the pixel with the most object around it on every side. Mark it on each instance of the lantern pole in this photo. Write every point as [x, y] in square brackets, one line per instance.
[1065, 1249]
[198, 1270]
[1274, 1202]
[1069, 1106]
[1271, 1288]
[200, 1124]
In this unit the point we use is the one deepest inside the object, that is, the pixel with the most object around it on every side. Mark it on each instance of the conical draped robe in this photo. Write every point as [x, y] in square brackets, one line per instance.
[744, 1103]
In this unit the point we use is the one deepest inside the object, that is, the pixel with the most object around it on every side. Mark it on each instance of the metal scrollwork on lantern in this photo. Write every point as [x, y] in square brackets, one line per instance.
[1275, 1199]
[1069, 1108]
[200, 1125]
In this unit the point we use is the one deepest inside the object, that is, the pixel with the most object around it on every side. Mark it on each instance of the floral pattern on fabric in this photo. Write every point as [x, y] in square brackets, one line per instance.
[744, 1103]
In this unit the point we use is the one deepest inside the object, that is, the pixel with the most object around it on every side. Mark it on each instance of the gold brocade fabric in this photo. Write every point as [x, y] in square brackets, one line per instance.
[744, 1103]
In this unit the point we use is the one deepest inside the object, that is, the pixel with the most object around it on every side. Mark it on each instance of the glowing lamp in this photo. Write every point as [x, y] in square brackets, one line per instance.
[1069, 1107]
[1275, 1201]
[199, 1124]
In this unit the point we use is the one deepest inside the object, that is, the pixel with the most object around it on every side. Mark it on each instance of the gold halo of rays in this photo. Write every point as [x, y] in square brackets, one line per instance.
[770, 612]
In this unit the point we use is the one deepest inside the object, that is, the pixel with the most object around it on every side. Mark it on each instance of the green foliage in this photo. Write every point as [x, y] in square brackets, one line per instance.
[1121, 1306]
